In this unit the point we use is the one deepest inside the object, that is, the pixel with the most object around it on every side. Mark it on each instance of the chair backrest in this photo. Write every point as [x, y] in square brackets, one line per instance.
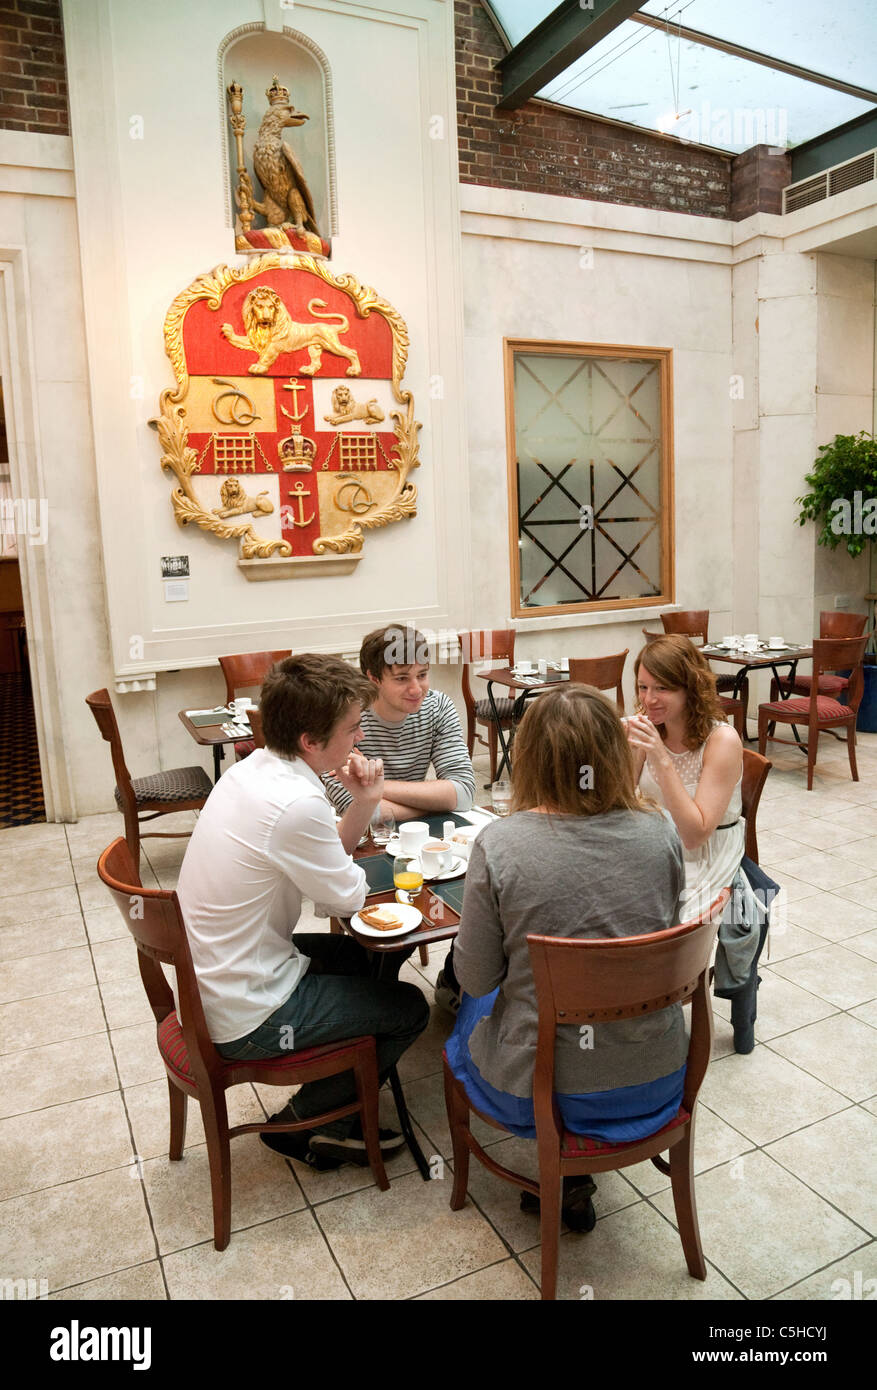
[755, 770]
[840, 654]
[101, 707]
[603, 672]
[486, 644]
[651, 636]
[833, 624]
[603, 980]
[690, 622]
[155, 920]
[247, 670]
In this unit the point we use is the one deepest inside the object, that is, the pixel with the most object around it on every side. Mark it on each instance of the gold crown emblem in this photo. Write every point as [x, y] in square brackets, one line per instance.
[277, 95]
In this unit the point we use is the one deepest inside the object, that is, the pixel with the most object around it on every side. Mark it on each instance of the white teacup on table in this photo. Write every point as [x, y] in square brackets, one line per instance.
[776, 643]
[732, 642]
[413, 834]
[436, 857]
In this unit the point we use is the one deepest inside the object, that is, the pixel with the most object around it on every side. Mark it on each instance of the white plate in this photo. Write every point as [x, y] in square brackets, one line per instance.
[411, 916]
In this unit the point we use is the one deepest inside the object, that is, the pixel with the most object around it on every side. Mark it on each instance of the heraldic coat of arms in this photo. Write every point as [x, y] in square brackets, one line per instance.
[289, 430]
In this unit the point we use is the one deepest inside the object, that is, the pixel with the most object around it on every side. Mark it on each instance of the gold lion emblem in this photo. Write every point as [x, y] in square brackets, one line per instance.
[235, 501]
[271, 331]
[345, 408]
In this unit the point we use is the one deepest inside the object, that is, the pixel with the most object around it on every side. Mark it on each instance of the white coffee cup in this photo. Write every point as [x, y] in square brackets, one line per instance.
[776, 642]
[242, 705]
[412, 835]
[733, 641]
[524, 667]
[436, 856]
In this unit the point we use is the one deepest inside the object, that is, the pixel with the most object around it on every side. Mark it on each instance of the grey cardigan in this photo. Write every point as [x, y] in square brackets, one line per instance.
[618, 874]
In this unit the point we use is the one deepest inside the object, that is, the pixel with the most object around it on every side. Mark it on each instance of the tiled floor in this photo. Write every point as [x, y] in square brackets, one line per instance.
[90, 1203]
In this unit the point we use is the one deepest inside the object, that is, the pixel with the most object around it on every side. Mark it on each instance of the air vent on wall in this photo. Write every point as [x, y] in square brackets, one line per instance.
[835, 180]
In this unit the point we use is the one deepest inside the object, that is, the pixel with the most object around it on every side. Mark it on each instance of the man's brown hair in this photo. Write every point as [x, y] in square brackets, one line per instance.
[679, 665]
[387, 647]
[572, 756]
[308, 694]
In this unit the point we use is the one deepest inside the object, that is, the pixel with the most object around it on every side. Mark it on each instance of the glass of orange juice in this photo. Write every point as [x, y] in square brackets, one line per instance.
[407, 876]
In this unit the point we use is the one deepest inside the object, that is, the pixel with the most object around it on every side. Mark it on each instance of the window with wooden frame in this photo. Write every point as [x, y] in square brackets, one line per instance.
[590, 451]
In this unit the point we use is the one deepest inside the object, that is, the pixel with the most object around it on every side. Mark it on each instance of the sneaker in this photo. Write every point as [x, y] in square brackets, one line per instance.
[296, 1144]
[445, 997]
[352, 1149]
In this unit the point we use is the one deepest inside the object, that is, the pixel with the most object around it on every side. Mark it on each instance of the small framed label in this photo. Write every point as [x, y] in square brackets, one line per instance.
[175, 567]
[176, 590]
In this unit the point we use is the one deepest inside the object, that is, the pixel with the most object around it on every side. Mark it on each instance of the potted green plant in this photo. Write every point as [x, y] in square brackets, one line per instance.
[843, 502]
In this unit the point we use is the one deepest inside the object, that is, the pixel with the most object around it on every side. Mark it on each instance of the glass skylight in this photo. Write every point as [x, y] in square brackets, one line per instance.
[654, 79]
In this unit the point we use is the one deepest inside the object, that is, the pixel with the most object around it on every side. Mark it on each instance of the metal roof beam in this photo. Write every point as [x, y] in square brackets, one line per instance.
[561, 38]
[753, 56]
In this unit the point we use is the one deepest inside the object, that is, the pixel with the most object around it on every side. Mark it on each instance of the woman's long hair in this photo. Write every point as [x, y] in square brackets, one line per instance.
[679, 665]
[572, 756]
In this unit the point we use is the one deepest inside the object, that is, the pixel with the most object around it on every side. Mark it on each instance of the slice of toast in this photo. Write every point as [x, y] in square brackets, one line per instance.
[383, 918]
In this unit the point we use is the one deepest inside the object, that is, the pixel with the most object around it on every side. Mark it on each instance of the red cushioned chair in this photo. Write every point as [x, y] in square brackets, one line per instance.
[245, 672]
[581, 981]
[831, 624]
[194, 1067]
[821, 712]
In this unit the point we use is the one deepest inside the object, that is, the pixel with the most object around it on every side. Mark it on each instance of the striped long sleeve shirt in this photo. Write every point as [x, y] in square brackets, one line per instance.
[432, 736]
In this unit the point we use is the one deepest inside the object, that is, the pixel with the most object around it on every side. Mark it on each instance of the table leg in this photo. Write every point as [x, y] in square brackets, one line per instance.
[383, 967]
[218, 755]
[505, 745]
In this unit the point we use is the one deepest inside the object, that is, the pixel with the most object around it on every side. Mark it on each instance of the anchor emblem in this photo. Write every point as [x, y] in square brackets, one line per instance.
[295, 386]
[299, 493]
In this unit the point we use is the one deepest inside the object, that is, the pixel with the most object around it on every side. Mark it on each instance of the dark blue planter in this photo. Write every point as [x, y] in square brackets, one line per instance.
[866, 721]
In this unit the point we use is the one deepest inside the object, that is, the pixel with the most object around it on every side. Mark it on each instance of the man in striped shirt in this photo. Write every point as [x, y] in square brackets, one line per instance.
[411, 728]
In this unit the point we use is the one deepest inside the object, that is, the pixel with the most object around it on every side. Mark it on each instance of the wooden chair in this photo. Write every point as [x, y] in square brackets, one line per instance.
[194, 1067]
[831, 624]
[496, 646]
[244, 672]
[695, 622]
[581, 981]
[755, 770]
[821, 712]
[603, 672]
[162, 793]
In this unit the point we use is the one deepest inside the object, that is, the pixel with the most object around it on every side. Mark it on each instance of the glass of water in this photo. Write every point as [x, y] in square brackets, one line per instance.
[501, 797]
[383, 827]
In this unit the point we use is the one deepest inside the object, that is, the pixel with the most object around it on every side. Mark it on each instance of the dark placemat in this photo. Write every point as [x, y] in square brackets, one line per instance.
[205, 721]
[378, 872]
[451, 892]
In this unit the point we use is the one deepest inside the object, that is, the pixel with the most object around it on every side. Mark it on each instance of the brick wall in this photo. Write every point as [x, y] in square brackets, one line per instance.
[33, 76]
[542, 150]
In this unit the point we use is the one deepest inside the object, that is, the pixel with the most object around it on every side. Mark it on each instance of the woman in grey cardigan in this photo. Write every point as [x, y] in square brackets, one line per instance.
[581, 856]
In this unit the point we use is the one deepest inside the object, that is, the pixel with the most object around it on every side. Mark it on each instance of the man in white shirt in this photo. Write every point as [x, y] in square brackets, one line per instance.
[265, 840]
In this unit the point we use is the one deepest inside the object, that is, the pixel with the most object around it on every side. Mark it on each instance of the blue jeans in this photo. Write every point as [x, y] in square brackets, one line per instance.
[336, 999]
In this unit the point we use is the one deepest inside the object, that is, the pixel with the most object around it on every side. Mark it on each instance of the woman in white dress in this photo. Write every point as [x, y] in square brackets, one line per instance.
[691, 762]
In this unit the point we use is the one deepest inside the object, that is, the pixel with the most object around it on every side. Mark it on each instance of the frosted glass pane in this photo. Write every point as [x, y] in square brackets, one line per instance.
[587, 434]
